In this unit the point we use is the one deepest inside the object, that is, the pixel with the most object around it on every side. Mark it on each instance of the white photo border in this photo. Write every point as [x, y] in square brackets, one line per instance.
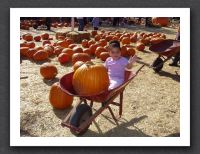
[16, 140]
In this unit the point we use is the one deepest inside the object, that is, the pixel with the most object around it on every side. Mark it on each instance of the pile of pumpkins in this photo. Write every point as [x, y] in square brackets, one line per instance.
[80, 57]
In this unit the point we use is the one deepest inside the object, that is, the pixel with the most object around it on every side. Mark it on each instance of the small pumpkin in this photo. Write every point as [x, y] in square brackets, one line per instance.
[94, 32]
[58, 50]
[69, 51]
[126, 40]
[80, 57]
[90, 79]
[97, 37]
[37, 38]
[62, 43]
[162, 21]
[90, 42]
[99, 50]
[63, 58]
[124, 52]
[58, 98]
[77, 65]
[140, 46]
[77, 49]
[84, 43]
[88, 51]
[23, 51]
[48, 71]
[45, 36]
[46, 42]
[72, 46]
[93, 48]
[40, 55]
[104, 55]
[30, 44]
[27, 37]
[131, 51]
[30, 53]
[49, 49]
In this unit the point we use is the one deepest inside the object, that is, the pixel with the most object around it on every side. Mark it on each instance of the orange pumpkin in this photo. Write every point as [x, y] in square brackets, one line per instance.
[103, 42]
[46, 42]
[90, 42]
[99, 50]
[133, 38]
[162, 21]
[58, 50]
[30, 44]
[27, 37]
[30, 53]
[97, 37]
[63, 58]
[45, 36]
[58, 98]
[126, 40]
[90, 79]
[124, 52]
[37, 38]
[72, 46]
[104, 55]
[40, 55]
[131, 51]
[69, 41]
[156, 40]
[84, 43]
[80, 57]
[48, 71]
[38, 48]
[77, 65]
[23, 51]
[93, 48]
[88, 51]
[77, 49]
[69, 51]
[140, 46]
[63, 44]
[49, 49]
[93, 32]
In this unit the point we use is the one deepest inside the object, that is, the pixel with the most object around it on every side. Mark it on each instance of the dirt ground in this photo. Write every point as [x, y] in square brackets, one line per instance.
[150, 104]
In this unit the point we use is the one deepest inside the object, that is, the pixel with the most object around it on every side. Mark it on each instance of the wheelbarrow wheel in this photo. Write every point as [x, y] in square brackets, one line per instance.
[82, 113]
[157, 65]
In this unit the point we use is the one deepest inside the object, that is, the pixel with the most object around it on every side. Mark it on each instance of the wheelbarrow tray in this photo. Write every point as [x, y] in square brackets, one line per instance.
[166, 48]
[106, 98]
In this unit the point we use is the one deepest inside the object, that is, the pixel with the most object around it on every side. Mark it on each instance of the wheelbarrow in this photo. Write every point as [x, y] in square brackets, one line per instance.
[165, 50]
[80, 117]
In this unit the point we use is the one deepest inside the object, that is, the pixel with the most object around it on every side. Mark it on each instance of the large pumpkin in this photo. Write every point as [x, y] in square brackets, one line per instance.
[80, 57]
[58, 98]
[48, 71]
[40, 55]
[162, 21]
[90, 79]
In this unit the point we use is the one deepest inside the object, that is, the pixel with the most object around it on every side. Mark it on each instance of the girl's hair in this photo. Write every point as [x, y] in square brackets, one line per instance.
[114, 44]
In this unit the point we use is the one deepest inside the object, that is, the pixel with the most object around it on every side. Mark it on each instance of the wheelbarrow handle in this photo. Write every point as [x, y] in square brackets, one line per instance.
[139, 69]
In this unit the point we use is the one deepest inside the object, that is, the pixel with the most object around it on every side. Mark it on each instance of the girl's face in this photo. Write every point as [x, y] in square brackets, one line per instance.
[115, 53]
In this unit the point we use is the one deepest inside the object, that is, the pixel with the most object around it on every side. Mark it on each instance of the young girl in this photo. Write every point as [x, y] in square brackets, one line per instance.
[116, 65]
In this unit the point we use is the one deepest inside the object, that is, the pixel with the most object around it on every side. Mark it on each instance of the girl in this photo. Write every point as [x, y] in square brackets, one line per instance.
[116, 65]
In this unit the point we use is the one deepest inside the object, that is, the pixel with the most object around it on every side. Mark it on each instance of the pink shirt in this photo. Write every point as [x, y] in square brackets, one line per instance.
[116, 70]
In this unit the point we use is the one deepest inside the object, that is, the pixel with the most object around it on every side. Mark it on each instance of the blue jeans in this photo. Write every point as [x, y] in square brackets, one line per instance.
[81, 24]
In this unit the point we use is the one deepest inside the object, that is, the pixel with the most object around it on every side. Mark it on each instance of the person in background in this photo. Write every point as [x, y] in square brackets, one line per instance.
[48, 23]
[95, 23]
[81, 23]
[177, 56]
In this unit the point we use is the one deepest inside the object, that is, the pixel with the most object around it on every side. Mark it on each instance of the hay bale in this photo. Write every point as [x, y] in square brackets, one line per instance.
[58, 34]
[78, 36]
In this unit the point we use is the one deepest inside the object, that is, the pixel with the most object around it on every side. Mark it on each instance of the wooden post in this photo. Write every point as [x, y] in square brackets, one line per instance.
[72, 24]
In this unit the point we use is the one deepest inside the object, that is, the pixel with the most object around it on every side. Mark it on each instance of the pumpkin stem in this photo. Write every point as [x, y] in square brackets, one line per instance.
[89, 63]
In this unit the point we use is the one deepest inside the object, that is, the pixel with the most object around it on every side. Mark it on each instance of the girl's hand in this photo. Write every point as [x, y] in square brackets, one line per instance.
[132, 59]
